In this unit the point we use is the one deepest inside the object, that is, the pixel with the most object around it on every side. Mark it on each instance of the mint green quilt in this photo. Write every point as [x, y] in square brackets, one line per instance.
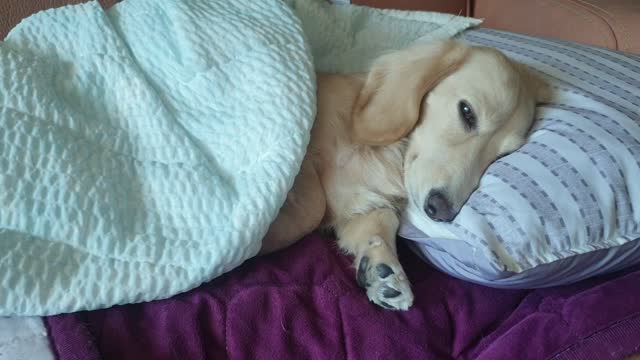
[146, 149]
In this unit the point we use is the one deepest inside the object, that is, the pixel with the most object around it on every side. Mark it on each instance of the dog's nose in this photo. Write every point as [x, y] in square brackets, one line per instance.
[438, 207]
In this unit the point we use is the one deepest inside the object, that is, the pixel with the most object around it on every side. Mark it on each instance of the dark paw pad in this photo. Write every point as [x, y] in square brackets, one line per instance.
[386, 306]
[390, 293]
[362, 272]
[384, 270]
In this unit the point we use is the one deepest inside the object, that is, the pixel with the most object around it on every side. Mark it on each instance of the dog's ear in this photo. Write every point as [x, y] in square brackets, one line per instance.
[388, 105]
[534, 83]
[533, 90]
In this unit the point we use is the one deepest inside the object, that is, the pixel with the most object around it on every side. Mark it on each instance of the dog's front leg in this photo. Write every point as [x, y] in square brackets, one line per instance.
[371, 239]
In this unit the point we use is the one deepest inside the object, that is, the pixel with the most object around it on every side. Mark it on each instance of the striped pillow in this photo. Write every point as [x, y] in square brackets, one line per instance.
[565, 206]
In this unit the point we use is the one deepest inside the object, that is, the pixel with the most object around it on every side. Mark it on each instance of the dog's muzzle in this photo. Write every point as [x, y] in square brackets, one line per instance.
[438, 207]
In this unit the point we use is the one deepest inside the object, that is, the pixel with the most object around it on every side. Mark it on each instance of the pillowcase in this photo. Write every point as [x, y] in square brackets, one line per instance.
[565, 206]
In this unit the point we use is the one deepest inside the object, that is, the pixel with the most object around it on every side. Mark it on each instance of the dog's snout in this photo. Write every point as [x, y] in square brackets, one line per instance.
[438, 208]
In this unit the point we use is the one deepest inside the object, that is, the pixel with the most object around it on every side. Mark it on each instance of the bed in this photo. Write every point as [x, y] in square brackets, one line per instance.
[304, 303]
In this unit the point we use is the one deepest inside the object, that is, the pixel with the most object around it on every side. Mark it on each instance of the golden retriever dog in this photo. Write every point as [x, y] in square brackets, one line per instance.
[419, 129]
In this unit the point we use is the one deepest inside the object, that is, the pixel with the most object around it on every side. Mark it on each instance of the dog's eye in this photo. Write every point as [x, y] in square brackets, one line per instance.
[467, 115]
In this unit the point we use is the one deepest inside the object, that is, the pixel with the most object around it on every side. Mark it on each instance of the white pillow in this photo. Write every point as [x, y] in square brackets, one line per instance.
[567, 204]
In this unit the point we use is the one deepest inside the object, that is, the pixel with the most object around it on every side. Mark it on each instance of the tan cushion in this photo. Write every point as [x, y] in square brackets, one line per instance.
[457, 7]
[12, 11]
[613, 24]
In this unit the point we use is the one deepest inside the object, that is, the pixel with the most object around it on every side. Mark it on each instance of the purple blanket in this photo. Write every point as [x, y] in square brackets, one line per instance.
[303, 303]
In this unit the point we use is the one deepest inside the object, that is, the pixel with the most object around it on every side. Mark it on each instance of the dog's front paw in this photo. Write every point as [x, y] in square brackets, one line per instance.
[385, 282]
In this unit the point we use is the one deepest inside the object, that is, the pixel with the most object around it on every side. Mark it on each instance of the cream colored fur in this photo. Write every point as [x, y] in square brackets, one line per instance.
[394, 134]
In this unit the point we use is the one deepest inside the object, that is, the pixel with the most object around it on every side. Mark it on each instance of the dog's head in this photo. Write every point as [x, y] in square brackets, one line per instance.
[461, 107]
